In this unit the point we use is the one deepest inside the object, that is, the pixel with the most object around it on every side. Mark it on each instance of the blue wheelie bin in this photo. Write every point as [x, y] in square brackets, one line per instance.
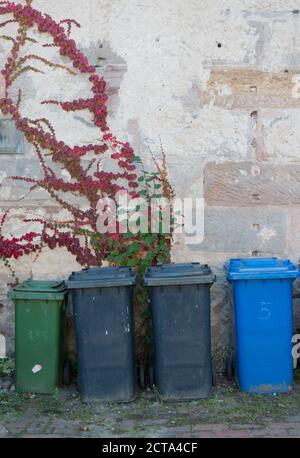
[263, 315]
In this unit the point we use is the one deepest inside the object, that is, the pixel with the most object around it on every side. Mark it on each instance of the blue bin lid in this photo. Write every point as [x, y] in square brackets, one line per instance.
[179, 274]
[260, 268]
[102, 277]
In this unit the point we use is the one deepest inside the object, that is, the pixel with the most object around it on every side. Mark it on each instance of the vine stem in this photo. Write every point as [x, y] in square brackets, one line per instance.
[18, 44]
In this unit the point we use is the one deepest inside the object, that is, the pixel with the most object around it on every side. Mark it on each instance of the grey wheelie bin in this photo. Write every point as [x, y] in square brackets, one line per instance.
[180, 304]
[102, 305]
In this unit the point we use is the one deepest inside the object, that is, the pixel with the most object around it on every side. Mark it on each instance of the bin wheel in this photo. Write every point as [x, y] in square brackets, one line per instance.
[142, 376]
[229, 369]
[67, 373]
[151, 376]
[214, 375]
[150, 381]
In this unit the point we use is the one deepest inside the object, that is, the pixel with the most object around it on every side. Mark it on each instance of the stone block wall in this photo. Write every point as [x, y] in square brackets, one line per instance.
[213, 81]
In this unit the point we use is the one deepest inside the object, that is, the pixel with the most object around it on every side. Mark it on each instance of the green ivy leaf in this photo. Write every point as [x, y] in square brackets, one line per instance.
[120, 257]
[132, 262]
[128, 235]
[114, 253]
[143, 192]
[134, 248]
[150, 239]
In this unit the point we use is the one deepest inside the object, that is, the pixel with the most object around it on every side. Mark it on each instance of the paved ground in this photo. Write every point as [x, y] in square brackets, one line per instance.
[228, 413]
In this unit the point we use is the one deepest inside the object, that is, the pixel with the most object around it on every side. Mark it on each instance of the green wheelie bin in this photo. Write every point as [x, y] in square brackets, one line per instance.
[39, 311]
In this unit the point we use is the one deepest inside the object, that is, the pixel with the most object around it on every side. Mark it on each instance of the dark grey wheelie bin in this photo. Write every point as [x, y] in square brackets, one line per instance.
[102, 305]
[180, 304]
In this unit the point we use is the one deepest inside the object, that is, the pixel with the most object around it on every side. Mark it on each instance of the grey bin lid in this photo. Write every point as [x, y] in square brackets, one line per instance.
[102, 277]
[179, 274]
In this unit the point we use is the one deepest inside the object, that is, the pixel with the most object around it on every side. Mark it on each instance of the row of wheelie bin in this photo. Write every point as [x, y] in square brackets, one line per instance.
[180, 309]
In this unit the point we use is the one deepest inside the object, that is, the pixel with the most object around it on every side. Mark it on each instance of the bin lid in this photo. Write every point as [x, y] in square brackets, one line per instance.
[38, 290]
[260, 268]
[102, 277]
[179, 274]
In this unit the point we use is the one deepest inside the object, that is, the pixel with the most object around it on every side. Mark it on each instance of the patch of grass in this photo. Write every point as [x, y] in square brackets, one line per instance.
[234, 406]
[84, 414]
[7, 366]
[9, 405]
[226, 405]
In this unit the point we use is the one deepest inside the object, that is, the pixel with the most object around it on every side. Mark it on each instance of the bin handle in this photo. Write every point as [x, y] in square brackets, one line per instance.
[59, 283]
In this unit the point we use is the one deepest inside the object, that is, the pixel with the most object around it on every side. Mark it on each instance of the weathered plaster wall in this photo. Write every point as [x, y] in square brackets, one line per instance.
[213, 81]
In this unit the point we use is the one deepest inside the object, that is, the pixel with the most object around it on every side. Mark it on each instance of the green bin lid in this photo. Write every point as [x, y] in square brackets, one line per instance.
[38, 290]
[179, 274]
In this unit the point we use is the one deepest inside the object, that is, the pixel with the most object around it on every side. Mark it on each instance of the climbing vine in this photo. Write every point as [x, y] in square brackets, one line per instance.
[90, 181]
